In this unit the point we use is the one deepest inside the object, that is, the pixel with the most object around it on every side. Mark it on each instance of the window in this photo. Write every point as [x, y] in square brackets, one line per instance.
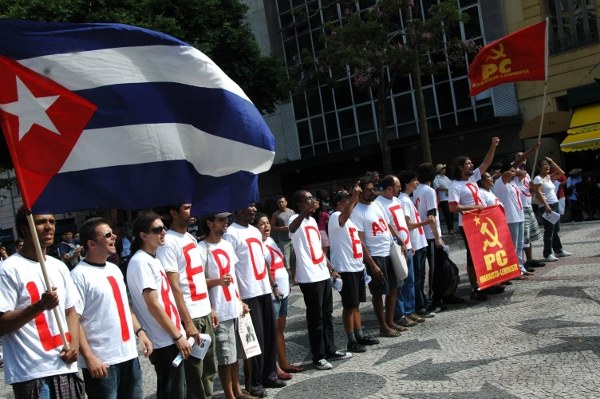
[572, 24]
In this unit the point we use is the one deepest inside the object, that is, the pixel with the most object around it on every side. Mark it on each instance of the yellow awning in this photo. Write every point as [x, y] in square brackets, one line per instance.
[584, 130]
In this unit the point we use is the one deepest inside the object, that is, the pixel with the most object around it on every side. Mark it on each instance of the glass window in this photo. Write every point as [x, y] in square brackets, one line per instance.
[368, 138]
[347, 127]
[284, 5]
[304, 43]
[444, 98]
[291, 52]
[572, 24]
[472, 26]
[331, 127]
[364, 115]
[343, 98]
[299, 106]
[303, 133]
[306, 152]
[429, 102]
[361, 95]
[318, 131]
[461, 93]
[350, 142]
[335, 146]
[404, 108]
[314, 101]
[327, 98]
[321, 149]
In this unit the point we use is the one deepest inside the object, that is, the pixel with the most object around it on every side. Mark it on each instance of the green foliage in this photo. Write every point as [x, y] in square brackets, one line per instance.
[216, 27]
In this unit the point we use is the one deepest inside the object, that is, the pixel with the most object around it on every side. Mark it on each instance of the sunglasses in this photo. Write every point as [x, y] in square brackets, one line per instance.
[157, 230]
[107, 235]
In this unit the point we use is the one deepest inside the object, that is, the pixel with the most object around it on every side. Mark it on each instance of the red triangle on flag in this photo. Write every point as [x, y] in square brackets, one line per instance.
[42, 121]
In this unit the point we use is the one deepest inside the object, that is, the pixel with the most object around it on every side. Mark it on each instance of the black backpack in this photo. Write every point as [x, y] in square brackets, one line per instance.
[446, 278]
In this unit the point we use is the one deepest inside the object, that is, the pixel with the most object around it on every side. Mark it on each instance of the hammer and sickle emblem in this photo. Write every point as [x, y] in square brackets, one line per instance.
[496, 53]
[493, 236]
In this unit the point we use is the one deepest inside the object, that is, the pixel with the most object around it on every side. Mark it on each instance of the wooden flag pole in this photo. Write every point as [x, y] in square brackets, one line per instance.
[539, 138]
[41, 259]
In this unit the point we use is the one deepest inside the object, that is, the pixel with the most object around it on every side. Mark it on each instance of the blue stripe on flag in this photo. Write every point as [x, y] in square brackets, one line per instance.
[160, 184]
[213, 111]
[29, 39]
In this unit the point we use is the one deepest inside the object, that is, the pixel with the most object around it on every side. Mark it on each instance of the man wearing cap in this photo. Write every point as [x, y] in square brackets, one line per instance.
[255, 289]
[185, 269]
[441, 185]
[347, 259]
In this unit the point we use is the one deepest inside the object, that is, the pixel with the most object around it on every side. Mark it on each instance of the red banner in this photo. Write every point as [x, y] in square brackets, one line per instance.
[491, 246]
[519, 56]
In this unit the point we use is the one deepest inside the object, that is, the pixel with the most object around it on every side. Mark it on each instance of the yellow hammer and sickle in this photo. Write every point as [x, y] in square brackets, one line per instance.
[497, 53]
[493, 236]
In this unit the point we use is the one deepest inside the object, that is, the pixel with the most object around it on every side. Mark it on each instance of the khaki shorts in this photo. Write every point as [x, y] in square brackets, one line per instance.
[229, 347]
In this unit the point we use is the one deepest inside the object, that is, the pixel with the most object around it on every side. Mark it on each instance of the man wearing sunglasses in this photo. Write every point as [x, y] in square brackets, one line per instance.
[184, 266]
[109, 361]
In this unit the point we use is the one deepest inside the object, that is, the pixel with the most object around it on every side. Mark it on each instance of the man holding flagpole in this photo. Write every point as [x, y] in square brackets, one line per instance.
[36, 362]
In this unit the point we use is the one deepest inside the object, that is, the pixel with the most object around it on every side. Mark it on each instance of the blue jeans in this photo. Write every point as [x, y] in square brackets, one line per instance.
[419, 266]
[405, 303]
[517, 233]
[170, 381]
[124, 380]
[551, 238]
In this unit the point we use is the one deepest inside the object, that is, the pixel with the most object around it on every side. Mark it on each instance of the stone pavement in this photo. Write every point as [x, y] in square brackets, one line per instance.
[540, 339]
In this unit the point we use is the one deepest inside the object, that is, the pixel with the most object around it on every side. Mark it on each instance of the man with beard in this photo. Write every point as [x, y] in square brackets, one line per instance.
[255, 290]
[184, 267]
[464, 196]
[373, 224]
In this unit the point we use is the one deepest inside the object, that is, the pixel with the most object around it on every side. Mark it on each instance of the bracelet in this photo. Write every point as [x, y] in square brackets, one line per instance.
[139, 330]
[178, 338]
[274, 285]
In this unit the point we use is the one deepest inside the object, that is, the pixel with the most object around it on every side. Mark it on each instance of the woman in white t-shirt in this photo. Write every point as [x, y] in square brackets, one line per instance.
[280, 281]
[546, 195]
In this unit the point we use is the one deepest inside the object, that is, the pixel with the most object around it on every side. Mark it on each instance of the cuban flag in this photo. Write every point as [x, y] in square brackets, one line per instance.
[116, 116]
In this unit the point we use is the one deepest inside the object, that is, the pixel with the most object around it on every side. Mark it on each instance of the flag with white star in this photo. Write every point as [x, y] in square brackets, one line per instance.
[115, 116]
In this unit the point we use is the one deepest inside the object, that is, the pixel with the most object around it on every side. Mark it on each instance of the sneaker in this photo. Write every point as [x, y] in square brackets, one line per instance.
[323, 365]
[366, 340]
[259, 392]
[406, 322]
[536, 263]
[355, 347]
[426, 314]
[338, 355]
[562, 254]
[416, 317]
[550, 258]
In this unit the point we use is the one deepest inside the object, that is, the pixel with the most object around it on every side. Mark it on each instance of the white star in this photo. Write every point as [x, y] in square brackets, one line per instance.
[30, 110]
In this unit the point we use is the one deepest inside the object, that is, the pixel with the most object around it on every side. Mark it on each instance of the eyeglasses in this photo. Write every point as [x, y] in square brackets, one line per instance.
[107, 235]
[157, 229]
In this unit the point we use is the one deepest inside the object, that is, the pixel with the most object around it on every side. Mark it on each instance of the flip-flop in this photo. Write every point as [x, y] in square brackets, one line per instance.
[293, 369]
[391, 334]
[400, 328]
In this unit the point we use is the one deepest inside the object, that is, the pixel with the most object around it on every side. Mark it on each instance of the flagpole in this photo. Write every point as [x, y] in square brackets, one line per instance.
[539, 138]
[41, 259]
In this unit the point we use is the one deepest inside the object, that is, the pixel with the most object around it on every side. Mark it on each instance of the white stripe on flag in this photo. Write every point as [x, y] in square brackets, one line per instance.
[137, 144]
[90, 69]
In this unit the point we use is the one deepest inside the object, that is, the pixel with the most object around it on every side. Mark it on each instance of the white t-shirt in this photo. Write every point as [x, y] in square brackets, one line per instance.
[311, 263]
[345, 248]
[222, 260]
[510, 196]
[488, 198]
[146, 272]
[466, 192]
[396, 215]
[547, 188]
[523, 185]
[276, 263]
[251, 269]
[425, 200]
[180, 254]
[33, 351]
[417, 236]
[442, 182]
[372, 220]
[105, 313]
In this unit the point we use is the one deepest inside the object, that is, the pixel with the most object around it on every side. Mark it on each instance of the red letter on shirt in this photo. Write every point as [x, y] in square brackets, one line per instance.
[355, 240]
[170, 308]
[254, 243]
[316, 254]
[191, 271]
[224, 264]
[48, 340]
[120, 308]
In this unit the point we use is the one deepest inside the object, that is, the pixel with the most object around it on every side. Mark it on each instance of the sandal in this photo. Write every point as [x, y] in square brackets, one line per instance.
[293, 369]
[390, 334]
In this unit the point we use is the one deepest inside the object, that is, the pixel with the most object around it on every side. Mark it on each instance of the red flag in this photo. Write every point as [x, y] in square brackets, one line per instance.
[522, 55]
[491, 246]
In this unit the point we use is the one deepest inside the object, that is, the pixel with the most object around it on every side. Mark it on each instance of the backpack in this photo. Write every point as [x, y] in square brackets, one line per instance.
[446, 272]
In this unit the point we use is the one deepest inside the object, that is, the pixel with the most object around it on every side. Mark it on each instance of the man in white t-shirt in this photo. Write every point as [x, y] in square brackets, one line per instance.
[347, 259]
[183, 264]
[109, 357]
[416, 227]
[464, 196]
[255, 290]
[313, 272]
[374, 231]
[441, 185]
[35, 359]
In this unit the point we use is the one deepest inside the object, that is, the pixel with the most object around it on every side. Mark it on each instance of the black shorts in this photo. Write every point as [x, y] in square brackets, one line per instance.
[353, 289]
[389, 281]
